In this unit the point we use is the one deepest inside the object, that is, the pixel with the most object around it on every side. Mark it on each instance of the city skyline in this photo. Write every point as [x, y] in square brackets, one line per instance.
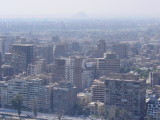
[80, 59]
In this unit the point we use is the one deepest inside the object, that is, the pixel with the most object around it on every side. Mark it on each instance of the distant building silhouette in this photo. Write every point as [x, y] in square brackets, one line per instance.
[121, 50]
[25, 49]
[60, 50]
[45, 51]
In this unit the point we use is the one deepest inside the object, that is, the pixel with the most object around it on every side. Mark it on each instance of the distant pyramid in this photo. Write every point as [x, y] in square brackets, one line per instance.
[80, 15]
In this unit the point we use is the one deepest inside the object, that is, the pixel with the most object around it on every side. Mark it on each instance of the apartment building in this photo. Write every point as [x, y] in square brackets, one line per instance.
[109, 64]
[98, 90]
[125, 91]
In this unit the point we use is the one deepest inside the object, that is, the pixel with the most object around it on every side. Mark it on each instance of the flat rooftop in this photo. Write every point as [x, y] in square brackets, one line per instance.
[22, 44]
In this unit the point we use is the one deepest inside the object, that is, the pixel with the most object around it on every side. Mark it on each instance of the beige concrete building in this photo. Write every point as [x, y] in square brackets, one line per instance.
[127, 92]
[73, 71]
[109, 64]
[64, 98]
[97, 108]
[98, 91]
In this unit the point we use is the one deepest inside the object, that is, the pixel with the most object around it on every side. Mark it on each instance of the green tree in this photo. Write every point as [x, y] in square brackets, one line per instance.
[17, 103]
[59, 115]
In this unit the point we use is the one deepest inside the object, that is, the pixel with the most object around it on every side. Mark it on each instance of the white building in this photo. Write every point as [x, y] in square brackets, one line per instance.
[70, 70]
[73, 71]
[32, 90]
[17, 86]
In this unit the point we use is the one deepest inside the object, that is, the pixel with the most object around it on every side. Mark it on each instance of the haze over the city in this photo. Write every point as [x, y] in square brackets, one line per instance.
[68, 8]
[80, 59]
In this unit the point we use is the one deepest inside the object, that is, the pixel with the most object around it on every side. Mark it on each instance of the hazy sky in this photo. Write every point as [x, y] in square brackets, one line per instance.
[70, 7]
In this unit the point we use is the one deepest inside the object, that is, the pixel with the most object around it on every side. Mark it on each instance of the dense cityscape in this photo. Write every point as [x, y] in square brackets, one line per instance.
[68, 69]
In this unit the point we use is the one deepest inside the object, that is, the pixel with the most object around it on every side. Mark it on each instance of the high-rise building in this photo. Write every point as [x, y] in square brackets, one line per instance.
[5, 42]
[38, 93]
[92, 67]
[121, 50]
[8, 40]
[154, 78]
[60, 50]
[24, 49]
[64, 98]
[46, 52]
[156, 90]
[8, 58]
[18, 61]
[57, 97]
[48, 98]
[73, 71]
[102, 45]
[2, 42]
[33, 91]
[86, 79]
[17, 86]
[38, 67]
[3, 93]
[109, 64]
[128, 92]
[101, 48]
[98, 90]
[59, 69]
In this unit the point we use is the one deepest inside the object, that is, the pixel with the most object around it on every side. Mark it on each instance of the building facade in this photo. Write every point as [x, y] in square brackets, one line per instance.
[109, 64]
[125, 91]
